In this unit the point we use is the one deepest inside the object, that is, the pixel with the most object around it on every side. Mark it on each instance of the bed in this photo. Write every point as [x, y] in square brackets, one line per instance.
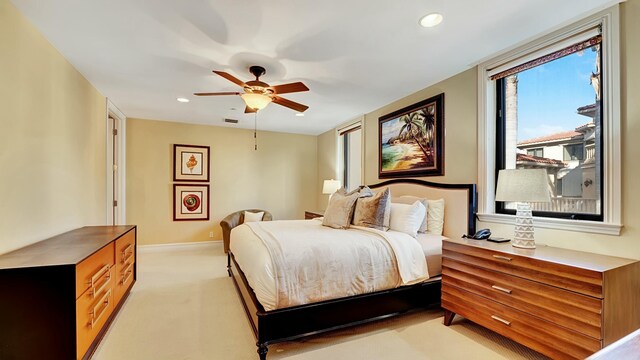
[273, 324]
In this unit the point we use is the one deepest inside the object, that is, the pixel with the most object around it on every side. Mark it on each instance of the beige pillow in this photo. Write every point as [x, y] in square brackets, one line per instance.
[370, 211]
[387, 212]
[362, 190]
[253, 216]
[435, 217]
[408, 199]
[340, 210]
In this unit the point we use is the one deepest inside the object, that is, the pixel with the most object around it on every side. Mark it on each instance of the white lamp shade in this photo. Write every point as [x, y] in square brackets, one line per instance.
[256, 101]
[523, 185]
[330, 186]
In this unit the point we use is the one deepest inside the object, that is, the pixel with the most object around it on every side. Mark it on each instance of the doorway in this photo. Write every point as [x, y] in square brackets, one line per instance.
[115, 170]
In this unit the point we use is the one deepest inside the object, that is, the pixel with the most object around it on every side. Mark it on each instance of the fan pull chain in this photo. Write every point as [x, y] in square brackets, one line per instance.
[255, 131]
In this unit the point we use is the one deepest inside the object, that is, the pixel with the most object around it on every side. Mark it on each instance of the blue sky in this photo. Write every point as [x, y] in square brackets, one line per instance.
[549, 94]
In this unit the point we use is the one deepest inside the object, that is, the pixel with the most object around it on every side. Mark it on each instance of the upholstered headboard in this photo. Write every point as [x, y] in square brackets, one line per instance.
[460, 201]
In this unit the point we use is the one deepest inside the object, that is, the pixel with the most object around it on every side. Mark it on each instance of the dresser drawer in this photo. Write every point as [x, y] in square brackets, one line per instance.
[574, 311]
[91, 272]
[580, 280]
[125, 264]
[546, 337]
[92, 311]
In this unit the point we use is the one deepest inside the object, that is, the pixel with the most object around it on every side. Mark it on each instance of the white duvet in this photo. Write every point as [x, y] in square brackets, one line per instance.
[296, 262]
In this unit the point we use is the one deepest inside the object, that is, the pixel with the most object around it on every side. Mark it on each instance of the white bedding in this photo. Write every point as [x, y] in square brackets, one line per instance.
[380, 273]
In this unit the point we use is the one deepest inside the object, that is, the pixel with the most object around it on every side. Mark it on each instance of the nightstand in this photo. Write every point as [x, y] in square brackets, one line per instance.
[313, 214]
[565, 304]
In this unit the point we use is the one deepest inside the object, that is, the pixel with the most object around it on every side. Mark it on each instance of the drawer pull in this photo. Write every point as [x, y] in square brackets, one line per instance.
[104, 302]
[107, 280]
[98, 275]
[126, 279]
[127, 269]
[126, 254]
[508, 323]
[501, 289]
[500, 257]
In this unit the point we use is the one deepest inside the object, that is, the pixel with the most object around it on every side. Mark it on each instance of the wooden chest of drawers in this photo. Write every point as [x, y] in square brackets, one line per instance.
[565, 304]
[58, 296]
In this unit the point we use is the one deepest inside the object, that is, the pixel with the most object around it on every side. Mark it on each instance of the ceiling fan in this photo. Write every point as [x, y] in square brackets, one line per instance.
[257, 94]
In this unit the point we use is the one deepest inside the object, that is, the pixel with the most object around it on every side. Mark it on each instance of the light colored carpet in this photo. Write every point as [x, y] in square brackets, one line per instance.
[184, 306]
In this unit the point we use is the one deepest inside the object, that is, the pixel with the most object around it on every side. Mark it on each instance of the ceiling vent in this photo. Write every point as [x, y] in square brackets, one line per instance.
[231, 121]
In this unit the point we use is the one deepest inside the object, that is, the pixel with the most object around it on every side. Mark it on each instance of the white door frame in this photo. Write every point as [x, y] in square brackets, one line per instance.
[120, 119]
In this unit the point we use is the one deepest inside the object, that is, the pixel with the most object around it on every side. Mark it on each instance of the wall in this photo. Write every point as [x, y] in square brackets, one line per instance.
[280, 177]
[628, 243]
[461, 145]
[327, 164]
[52, 142]
[460, 121]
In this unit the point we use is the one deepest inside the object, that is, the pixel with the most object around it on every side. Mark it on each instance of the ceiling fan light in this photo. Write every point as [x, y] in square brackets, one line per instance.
[431, 20]
[256, 101]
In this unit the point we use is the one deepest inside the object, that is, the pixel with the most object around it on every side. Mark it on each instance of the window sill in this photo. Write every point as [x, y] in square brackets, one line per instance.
[594, 227]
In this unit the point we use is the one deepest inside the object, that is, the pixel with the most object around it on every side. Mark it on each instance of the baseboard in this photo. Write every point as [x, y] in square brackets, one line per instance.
[179, 246]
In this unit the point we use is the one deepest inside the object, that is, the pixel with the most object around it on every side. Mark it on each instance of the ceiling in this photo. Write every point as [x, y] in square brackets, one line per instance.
[355, 55]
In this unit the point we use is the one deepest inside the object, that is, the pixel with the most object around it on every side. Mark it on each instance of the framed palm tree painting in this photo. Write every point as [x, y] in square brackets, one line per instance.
[412, 140]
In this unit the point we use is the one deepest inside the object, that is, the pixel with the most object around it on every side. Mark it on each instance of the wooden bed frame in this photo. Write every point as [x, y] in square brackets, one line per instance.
[296, 322]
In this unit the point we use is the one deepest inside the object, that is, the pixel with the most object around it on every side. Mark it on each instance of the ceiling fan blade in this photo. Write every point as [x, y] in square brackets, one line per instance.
[290, 104]
[231, 78]
[248, 110]
[217, 93]
[289, 88]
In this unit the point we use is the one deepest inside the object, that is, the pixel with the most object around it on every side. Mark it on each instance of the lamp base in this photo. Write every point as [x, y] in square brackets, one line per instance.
[523, 233]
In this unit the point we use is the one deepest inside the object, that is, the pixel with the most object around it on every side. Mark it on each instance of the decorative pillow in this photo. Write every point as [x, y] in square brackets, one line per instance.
[253, 217]
[435, 217]
[407, 218]
[340, 210]
[387, 212]
[362, 190]
[408, 199]
[370, 211]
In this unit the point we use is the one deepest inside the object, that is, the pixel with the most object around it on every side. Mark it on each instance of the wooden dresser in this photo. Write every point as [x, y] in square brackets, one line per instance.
[313, 214]
[58, 296]
[565, 304]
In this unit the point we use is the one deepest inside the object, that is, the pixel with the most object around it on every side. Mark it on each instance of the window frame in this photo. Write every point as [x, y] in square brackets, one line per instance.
[608, 21]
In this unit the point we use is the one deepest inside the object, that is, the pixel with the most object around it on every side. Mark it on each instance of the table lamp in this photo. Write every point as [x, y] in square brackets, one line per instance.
[523, 186]
[330, 186]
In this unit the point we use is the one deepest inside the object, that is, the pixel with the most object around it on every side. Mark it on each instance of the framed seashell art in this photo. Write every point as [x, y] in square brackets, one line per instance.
[191, 202]
[190, 163]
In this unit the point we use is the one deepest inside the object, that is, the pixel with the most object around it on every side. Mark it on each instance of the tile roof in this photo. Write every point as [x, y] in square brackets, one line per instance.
[552, 137]
[538, 159]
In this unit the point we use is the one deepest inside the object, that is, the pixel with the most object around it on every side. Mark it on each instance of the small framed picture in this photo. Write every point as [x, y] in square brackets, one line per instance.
[191, 202]
[190, 163]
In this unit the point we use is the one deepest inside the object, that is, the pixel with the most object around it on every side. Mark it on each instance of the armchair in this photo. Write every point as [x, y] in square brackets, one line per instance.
[235, 219]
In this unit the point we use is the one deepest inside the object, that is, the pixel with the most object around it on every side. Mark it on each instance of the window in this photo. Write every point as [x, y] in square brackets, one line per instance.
[574, 152]
[555, 104]
[554, 101]
[351, 159]
[539, 152]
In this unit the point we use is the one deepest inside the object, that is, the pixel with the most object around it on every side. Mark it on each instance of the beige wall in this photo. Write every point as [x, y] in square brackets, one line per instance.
[460, 129]
[280, 177]
[327, 164]
[628, 243]
[52, 139]
[461, 145]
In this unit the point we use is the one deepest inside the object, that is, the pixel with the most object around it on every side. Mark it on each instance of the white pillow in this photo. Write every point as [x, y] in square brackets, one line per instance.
[435, 217]
[253, 217]
[407, 218]
[408, 199]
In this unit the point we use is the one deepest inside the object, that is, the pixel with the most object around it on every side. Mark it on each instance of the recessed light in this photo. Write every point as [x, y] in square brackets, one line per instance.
[431, 20]
[300, 114]
[183, 100]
